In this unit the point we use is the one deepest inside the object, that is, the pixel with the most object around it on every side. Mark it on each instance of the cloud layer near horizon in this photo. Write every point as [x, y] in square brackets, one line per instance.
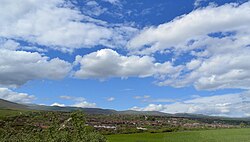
[232, 105]
[10, 95]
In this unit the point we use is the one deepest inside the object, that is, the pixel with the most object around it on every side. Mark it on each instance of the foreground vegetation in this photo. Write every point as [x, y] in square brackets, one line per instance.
[56, 126]
[9, 112]
[73, 129]
[222, 135]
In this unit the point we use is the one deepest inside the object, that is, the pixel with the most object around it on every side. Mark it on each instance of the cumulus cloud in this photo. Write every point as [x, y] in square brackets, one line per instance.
[150, 107]
[12, 96]
[9, 44]
[110, 99]
[197, 3]
[108, 63]
[233, 105]
[78, 102]
[64, 97]
[19, 67]
[217, 40]
[92, 8]
[84, 104]
[181, 30]
[57, 24]
[224, 64]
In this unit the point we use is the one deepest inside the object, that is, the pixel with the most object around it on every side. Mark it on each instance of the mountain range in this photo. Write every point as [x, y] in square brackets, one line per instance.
[4, 104]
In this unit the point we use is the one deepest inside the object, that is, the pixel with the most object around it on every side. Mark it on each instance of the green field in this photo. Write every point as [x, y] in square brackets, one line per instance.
[9, 112]
[222, 135]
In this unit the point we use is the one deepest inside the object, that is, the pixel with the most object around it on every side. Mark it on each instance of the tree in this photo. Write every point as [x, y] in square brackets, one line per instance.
[73, 129]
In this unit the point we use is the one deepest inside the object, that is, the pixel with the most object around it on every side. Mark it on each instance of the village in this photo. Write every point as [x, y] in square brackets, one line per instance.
[140, 123]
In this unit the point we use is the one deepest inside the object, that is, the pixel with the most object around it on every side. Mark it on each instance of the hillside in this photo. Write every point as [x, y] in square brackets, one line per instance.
[4, 104]
[69, 109]
[155, 113]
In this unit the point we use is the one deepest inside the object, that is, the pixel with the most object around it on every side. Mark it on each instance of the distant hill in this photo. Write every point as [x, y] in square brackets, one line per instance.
[190, 115]
[97, 110]
[155, 113]
[69, 109]
[202, 116]
[4, 104]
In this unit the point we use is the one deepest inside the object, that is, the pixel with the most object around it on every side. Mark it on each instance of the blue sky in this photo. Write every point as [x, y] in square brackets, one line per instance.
[163, 55]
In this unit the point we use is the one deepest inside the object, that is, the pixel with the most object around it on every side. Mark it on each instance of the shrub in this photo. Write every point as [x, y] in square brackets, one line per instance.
[73, 129]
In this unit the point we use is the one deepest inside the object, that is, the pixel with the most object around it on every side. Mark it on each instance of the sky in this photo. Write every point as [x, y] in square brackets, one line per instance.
[185, 56]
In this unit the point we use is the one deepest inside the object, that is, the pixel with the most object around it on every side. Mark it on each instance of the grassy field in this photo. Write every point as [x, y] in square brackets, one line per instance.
[222, 135]
[9, 112]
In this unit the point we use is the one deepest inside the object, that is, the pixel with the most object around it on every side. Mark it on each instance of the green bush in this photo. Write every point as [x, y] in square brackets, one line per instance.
[73, 129]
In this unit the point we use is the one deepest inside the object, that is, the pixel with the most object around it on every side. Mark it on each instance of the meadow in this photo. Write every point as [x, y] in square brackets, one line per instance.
[10, 112]
[220, 135]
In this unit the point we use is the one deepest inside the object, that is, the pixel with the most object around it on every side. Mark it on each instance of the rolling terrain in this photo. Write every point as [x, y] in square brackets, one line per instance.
[4, 104]
[124, 126]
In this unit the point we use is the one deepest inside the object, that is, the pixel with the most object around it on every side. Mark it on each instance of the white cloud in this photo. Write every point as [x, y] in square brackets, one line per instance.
[115, 2]
[8, 44]
[77, 99]
[127, 89]
[33, 49]
[197, 3]
[233, 105]
[195, 96]
[161, 100]
[12, 96]
[110, 99]
[226, 71]
[66, 97]
[19, 67]
[57, 24]
[150, 107]
[194, 64]
[78, 102]
[84, 104]
[181, 30]
[217, 39]
[92, 8]
[147, 98]
[142, 97]
[223, 67]
[108, 63]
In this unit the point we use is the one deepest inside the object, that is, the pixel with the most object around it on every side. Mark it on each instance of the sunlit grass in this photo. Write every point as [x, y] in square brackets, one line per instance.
[222, 135]
[10, 112]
